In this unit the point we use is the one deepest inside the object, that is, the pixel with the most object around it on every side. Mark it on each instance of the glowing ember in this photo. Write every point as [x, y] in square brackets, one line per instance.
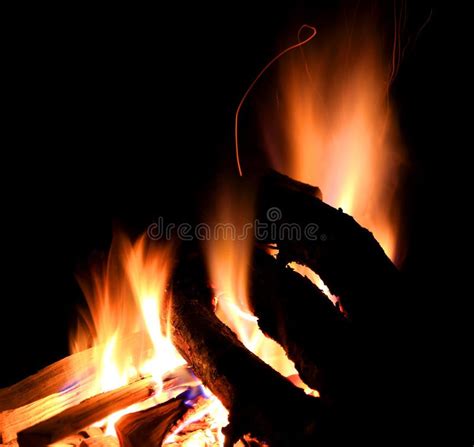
[315, 279]
[202, 425]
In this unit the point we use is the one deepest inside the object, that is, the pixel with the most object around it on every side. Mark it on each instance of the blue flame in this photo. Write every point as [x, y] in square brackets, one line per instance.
[70, 386]
[190, 396]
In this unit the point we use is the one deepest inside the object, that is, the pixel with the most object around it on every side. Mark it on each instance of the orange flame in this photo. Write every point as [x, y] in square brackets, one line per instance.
[128, 297]
[148, 273]
[228, 256]
[340, 132]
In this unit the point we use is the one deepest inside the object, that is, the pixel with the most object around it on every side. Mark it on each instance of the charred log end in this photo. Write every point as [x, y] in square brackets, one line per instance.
[149, 428]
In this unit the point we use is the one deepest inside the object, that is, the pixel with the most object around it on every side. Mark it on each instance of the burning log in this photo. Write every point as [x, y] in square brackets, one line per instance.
[100, 441]
[148, 428]
[187, 417]
[46, 393]
[346, 256]
[52, 390]
[260, 401]
[354, 267]
[92, 437]
[95, 437]
[313, 332]
[200, 424]
[86, 413]
[13, 421]
[53, 379]
[70, 441]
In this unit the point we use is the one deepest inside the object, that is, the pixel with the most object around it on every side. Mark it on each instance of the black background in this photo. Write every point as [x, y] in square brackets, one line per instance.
[114, 116]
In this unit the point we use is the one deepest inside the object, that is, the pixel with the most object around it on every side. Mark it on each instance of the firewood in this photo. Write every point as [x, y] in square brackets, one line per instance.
[91, 432]
[53, 379]
[13, 421]
[86, 413]
[100, 441]
[259, 399]
[90, 437]
[13, 443]
[52, 390]
[200, 438]
[148, 428]
[70, 441]
[315, 335]
[346, 256]
[196, 417]
[59, 376]
[46, 393]
[371, 290]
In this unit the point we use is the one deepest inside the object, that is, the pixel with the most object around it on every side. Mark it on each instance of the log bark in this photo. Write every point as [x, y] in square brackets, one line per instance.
[314, 333]
[260, 401]
[148, 428]
[346, 256]
[86, 413]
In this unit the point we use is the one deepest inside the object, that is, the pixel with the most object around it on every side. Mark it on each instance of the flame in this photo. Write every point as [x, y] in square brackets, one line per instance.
[213, 412]
[127, 297]
[228, 256]
[315, 279]
[148, 288]
[339, 130]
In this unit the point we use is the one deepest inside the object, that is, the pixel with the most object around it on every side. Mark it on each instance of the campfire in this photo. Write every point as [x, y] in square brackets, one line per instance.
[230, 340]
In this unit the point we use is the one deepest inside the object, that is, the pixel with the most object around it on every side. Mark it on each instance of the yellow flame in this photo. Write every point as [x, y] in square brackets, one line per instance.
[315, 279]
[340, 132]
[149, 289]
[228, 256]
[124, 298]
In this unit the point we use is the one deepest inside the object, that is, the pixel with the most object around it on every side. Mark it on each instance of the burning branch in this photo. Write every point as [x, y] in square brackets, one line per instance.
[313, 332]
[52, 390]
[46, 393]
[346, 256]
[86, 413]
[260, 400]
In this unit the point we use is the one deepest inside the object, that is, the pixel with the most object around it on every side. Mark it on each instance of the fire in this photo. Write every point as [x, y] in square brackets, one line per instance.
[126, 301]
[128, 304]
[148, 288]
[341, 135]
[315, 279]
[228, 255]
[339, 131]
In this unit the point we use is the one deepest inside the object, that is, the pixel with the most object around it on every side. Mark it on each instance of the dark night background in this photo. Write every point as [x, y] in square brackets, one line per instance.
[115, 116]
